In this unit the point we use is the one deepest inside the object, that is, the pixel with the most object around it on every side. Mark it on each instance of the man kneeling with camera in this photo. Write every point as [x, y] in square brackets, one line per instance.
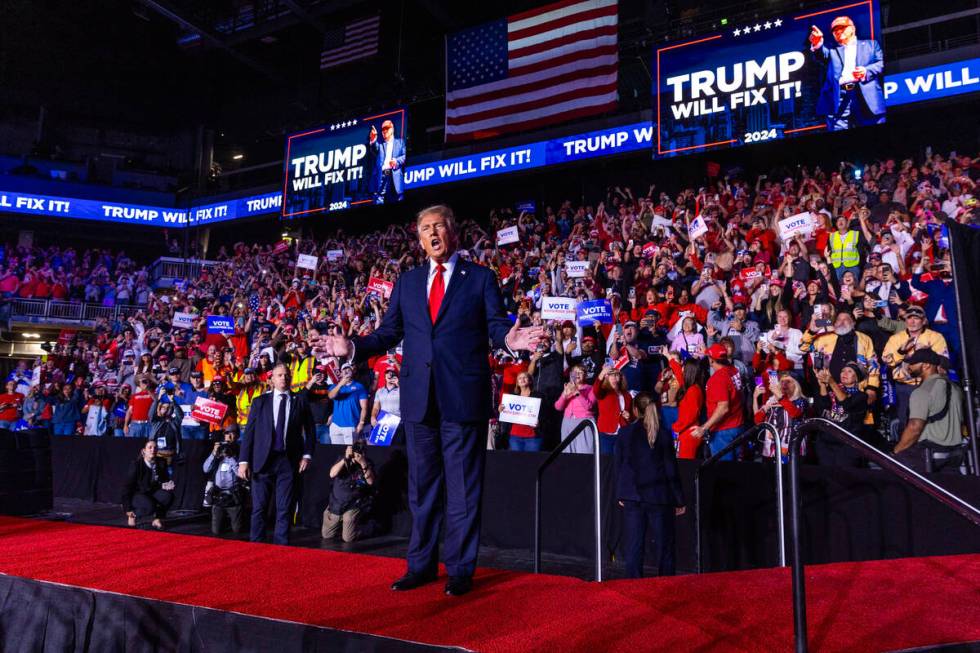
[226, 492]
[351, 495]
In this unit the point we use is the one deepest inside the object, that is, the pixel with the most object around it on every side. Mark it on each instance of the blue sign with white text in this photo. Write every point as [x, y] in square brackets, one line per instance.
[934, 82]
[384, 431]
[599, 310]
[221, 324]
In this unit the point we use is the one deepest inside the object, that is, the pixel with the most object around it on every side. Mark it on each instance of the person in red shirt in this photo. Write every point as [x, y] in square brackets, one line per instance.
[10, 405]
[724, 403]
[137, 423]
[690, 407]
[614, 405]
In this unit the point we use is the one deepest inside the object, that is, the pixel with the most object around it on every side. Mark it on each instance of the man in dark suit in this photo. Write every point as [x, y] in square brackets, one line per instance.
[387, 179]
[852, 93]
[277, 445]
[447, 311]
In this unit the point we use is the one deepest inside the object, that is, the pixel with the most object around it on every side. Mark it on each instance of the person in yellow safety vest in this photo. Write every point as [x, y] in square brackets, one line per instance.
[843, 249]
[903, 344]
[834, 349]
[301, 366]
[247, 389]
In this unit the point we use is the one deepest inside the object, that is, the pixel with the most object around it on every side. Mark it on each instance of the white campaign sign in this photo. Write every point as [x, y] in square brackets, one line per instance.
[558, 308]
[183, 320]
[661, 221]
[801, 224]
[508, 236]
[576, 269]
[306, 261]
[334, 255]
[697, 228]
[520, 410]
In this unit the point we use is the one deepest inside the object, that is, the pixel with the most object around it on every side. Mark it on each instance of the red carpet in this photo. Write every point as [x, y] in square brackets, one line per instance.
[870, 606]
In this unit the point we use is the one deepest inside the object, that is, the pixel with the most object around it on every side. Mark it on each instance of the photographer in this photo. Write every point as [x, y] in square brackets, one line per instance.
[350, 496]
[226, 492]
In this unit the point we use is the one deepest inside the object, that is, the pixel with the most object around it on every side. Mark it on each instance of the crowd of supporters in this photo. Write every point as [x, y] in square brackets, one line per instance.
[741, 323]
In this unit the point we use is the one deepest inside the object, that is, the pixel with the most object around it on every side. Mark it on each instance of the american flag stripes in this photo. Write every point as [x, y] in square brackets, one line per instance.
[543, 66]
[357, 39]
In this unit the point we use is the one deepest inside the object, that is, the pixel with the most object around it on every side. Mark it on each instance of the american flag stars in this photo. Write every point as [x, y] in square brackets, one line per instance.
[758, 27]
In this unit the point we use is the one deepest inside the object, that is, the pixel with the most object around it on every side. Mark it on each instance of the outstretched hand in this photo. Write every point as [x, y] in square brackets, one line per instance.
[524, 338]
[338, 346]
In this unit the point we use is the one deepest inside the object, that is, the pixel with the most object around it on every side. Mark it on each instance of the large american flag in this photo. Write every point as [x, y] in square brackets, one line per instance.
[355, 40]
[542, 66]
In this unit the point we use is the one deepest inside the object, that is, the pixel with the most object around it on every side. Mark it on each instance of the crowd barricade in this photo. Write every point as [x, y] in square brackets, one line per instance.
[41, 311]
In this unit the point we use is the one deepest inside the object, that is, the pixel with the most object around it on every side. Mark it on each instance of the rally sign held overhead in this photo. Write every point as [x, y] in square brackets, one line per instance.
[558, 308]
[508, 236]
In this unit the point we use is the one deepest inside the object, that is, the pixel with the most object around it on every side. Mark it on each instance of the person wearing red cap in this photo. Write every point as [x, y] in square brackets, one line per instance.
[852, 93]
[724, 403]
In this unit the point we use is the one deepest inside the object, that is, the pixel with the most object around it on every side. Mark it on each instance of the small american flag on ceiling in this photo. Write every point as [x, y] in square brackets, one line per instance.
[546, 65]
[355, 40]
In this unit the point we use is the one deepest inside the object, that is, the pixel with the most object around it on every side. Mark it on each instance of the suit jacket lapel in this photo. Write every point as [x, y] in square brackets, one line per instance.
[455, 281]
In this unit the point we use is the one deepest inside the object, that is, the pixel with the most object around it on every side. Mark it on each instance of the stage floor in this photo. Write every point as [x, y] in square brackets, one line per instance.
[870, 606]
[80, 511]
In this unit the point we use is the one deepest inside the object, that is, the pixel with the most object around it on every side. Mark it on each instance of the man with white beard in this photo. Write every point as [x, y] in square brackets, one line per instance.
[833, 349]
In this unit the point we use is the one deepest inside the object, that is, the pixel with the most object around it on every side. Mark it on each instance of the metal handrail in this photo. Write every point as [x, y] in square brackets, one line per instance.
[885, 461]
[780, 512]
[57, 310]
[536, 545]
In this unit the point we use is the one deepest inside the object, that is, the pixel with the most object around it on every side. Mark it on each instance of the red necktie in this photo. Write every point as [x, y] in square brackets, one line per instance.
[437, 292]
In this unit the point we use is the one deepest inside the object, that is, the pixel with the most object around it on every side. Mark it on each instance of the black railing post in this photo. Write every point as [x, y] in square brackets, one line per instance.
[799, 579]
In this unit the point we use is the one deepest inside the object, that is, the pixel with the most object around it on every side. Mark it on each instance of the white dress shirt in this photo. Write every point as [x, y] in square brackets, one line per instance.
[850, 62]
[278, 396]
[450, 265]
[389, 144]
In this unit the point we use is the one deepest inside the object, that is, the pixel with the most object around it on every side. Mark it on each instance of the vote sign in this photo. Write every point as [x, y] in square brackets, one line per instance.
[516, 409]
[380, 286]
[558, 308]
[306, 261]
[221, 324]
[576, 269]
[508, 236]
[697, 228]
[596, 309]
[334, 255]
[384, 431]
[801, 224]
[183, 320]
[208, 410]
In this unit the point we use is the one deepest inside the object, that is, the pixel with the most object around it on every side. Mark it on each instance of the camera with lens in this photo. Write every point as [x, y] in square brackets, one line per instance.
[359, 447]
[226, 449]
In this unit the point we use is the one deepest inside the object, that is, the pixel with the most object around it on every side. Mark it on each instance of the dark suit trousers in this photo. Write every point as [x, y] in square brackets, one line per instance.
[445, 482]
[274, 484]
[637, 516]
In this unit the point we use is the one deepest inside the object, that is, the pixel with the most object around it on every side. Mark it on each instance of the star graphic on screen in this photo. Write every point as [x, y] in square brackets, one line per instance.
[767, 25]
[779, 21]
[758, 27]
[736, 32]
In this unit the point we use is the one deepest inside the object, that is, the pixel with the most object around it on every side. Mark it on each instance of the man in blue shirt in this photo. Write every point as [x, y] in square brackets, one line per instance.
[349, 407]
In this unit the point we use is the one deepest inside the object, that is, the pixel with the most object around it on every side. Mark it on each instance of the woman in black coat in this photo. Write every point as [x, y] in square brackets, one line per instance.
[148, 489]
[648, 487]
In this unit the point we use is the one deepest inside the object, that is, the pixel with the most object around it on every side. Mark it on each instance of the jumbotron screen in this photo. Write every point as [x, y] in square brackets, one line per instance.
[351, 162]
[811, 71]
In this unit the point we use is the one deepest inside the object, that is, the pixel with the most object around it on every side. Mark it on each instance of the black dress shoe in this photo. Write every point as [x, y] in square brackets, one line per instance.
[411, 580]
[459, 585]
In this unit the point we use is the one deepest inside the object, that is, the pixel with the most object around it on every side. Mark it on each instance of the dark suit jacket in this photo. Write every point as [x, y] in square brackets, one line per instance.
[380, 163]
[868, 55]
[454, 352]
[260, 431]
[139, 480]
[645, 473]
